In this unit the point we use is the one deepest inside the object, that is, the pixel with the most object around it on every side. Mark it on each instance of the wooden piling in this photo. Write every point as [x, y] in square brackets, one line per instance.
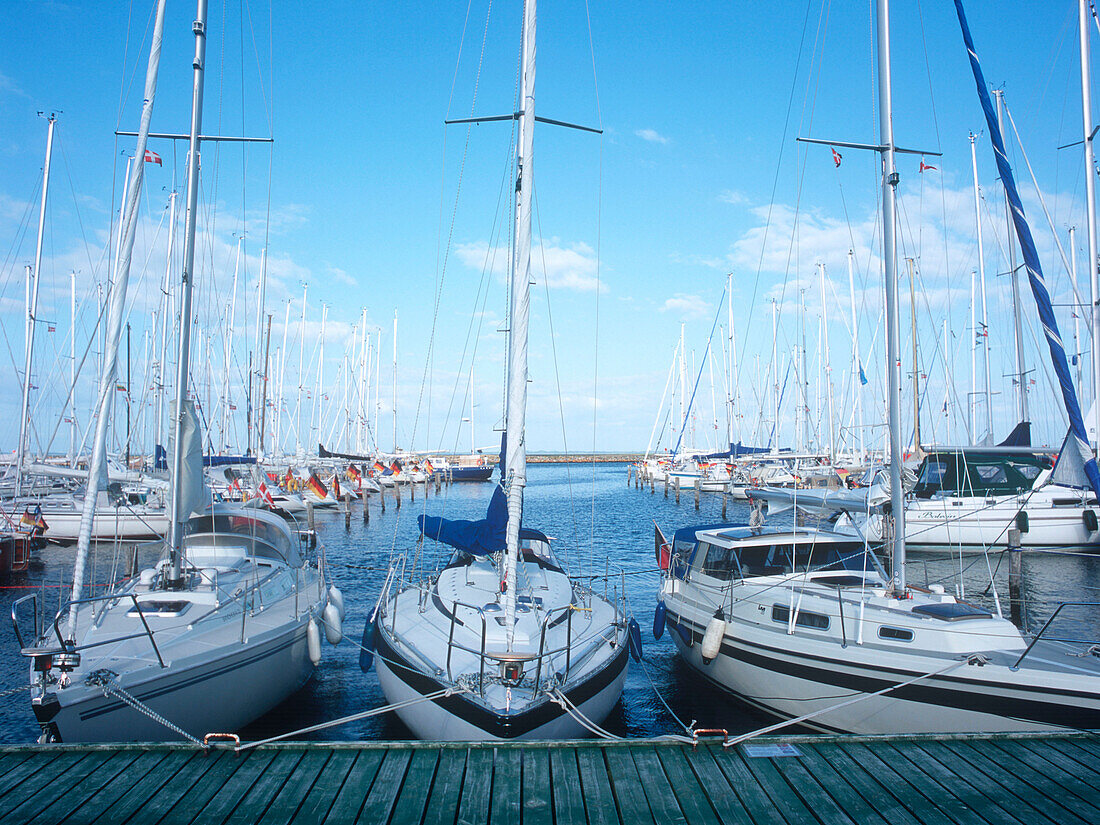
[1015, 574]
[725, 495]
[347, 511]
[397, 494]
[666, 485]
[676, 485]
[309, 514]
[412, 490]
[366, 508]
[698, 484]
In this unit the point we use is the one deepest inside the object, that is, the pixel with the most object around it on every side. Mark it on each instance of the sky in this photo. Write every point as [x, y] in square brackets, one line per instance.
[370, 203]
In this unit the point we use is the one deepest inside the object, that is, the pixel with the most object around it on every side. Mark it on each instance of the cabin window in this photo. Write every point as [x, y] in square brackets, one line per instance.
[782, 613]
[991, 474]
[895, 634]
[718, 562]
[933, 472]
[1028, 471]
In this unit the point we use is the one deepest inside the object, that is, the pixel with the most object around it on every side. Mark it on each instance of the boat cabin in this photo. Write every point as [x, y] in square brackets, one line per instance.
[978, 473]
[227, 534]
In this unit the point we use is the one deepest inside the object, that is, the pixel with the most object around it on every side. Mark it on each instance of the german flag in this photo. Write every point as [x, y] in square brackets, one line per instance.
[335, 485]
[353, 473]
[428, 468]
[316, 486]
[379, 467]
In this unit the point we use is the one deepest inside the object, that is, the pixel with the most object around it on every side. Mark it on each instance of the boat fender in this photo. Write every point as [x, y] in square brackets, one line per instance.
[634, 639]
[659, 620]
[1089, 517]
[336, 598]
[712, 639]
[313, 636]
[366, 649]
[686, 634]
[334, 626]
[1022, 521]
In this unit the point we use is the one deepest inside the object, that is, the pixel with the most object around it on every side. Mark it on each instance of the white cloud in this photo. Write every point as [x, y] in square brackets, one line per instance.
[653, 136]
[562, 266]
[688, 307]
[733, 196]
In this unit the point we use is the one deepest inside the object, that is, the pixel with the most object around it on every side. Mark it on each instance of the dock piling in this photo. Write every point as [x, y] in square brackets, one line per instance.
[697, 486]
[1015, 574]
[309, 514]
[347, 511]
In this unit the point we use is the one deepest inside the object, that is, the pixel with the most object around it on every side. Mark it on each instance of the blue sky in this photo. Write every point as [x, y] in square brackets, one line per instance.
[697, 174]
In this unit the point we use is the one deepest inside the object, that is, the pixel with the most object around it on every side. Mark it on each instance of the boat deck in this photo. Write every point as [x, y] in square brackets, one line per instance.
[827, 779]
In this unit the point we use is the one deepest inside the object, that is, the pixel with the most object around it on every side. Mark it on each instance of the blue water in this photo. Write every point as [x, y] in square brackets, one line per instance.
[596, 520]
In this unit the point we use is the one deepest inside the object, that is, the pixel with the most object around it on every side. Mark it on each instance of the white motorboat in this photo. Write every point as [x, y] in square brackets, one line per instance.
[130, 516]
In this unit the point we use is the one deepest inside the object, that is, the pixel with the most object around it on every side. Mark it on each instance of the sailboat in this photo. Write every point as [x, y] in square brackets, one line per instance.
[501, 643]
[807, 626]
[228, 623]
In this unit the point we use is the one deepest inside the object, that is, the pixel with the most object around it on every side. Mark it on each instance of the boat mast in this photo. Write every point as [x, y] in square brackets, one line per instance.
[175, 535]
[916, 369]
[857, 380]
[1076, 316]
[32, 311]
[516, 455]
[72, 366]
[828, 367]
[232, 313]
[889, 209]
[301, 374]
[1090, 202]
[395, 380]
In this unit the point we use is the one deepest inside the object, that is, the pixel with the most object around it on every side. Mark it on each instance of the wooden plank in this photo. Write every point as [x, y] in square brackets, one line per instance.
[14, 768]
[596, 786]
[199, 780]
[33, 769]
[353, 792]
[505, 806]
[147, 769]
[1046, 777]
[924, 796]
[58, 776]
[297, 786]
[243, 806]
[655, 784]
[74, 786]
[473, 806]
[767, 801]
[1085, 743]
[537, 795]
[821, 787]
[954, 780]
[383, 793]
[566, 781]
[447, 787]
[630, 796]
[1014, 784]
[411, 801]
[1081, 750]
[1055, 764]
[322, 795]
[220, 788]
[793, 795]
[706, 798]
[145, 789]
[877, 793]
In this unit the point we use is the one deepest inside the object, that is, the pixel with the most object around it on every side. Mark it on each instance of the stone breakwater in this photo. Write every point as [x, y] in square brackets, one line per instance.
[583, 458]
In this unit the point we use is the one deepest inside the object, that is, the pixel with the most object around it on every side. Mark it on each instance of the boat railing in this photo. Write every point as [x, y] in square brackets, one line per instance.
[1048, 623]
[30, 597]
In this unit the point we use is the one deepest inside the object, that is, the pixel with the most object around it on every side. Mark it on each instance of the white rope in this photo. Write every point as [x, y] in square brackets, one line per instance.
[799, 719]
[366, 714]
[562, 700]
[108, 681]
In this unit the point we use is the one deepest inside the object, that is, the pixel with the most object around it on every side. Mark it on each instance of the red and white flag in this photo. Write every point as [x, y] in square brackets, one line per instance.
[265, 495]
[924, 167]
[152, 157]
[836, 156]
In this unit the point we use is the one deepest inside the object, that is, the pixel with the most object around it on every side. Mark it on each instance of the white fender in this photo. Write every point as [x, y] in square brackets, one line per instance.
[712, 639]
[334, 627]
[336, 598]
[313, 636]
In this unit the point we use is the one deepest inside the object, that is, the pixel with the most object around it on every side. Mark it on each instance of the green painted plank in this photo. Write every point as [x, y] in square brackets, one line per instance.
[146, 768]
[199, 780]
[322, 795]
[32, 771]
[1044, 796]
[1047, 779]
[765, 794]
[61, 797]
[821, 788]
[792, 795]
[568, 799]
[297, 786]
[233, 807]
[354, 791]
[14, 768]
[537, 797]
[706, 798]
[1082, 750]
[410, 806]
[955, 780]
[383, 794]
[473, 805]
[222, 787]
[596, 786]
[1057, 765]
[1086, 743]
[505, 806]
[658, 791]
[56, 778]
[924, 797]
[447, 787]
[146, 788]
[874, 790]
[630, 796]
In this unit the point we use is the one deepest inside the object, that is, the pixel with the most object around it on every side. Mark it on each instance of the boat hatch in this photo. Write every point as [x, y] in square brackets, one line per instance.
[160, 608]
[952, 612]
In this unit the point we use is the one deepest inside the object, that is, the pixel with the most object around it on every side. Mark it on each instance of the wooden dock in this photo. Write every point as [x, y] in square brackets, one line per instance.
[978, 780]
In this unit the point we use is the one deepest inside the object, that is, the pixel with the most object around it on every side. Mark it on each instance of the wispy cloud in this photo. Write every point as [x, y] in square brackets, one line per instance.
[563, 266]
[653, 136]
[687, 307]
[733, 196]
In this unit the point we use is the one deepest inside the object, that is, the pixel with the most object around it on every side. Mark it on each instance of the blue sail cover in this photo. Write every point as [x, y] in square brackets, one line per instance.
[1031, 263]
[479, 537]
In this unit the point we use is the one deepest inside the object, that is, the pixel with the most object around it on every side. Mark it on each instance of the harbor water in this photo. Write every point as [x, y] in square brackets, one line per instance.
[598, 524]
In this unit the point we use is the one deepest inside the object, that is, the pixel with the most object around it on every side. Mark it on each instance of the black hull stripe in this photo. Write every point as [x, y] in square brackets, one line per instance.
[499, 725]
[971, 694]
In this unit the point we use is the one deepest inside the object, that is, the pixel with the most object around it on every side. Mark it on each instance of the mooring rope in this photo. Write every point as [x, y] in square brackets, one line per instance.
[109, 682]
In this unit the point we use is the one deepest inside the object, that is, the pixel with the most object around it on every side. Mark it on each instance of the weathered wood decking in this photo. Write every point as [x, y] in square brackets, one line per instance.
[890, 781]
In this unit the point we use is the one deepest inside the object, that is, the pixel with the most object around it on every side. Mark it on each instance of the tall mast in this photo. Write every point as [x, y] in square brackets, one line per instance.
[828, 367]
[232, 313]
[72, 365]
[395, 380]
[889, 210]
[277, 437]
[1076, 317]
[32, 311]
[317, 405]
[731, 364]
[775, 377]
[301, 374]
[361, 418]
[260, 307]
[973, 395]
[1090, 202]
[916, 367]
[1021, 368]
[175, 536]
[165, 323]
[857, 378]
